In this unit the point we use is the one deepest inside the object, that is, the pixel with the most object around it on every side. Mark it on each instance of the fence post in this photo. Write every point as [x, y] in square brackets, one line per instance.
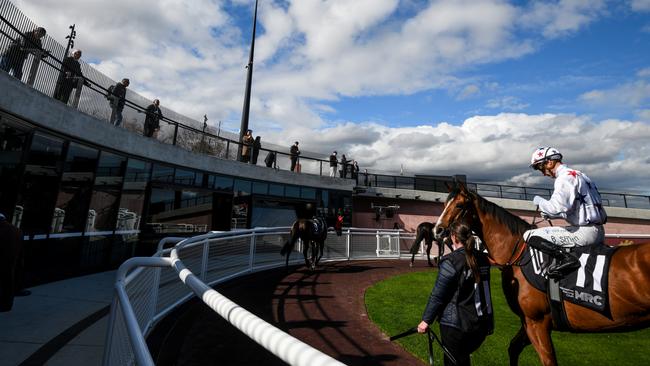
[112, 317]
[77, 92]
[347, 244]
[204, 259]
[175, 133]
[625, 201]
[252, 252]
[227, 149]
[321, 167]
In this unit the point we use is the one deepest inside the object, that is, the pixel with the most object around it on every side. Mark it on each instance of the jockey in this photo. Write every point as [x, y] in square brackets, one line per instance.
[576, 199]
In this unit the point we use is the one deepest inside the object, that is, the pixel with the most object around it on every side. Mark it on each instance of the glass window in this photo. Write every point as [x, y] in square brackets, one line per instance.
[162, 173]
[242, 187]
[71, 210]
[309, 193]
[220, 183]
[276, 190]
[292, 191]
[186, 177]
[132, 198]
[104, 204]
[260, 188]
[13, 140]
[39, 188]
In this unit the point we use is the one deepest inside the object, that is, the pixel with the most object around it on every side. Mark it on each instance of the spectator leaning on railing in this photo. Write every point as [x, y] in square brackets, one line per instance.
[68, 77]
[14, 57]
[333, 163]
[295, 153]
[152, 119]
[116, 95]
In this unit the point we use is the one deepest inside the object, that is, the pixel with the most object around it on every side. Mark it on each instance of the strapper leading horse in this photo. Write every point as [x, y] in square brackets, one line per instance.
[313, 233]
[502, 234]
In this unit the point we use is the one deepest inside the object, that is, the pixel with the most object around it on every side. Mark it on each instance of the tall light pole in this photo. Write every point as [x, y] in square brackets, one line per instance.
[247, 96]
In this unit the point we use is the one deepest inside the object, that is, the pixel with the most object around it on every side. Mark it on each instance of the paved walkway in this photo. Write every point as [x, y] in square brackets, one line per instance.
[60, 323]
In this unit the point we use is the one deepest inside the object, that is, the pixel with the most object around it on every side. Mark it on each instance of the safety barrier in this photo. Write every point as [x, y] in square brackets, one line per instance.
[147, 289]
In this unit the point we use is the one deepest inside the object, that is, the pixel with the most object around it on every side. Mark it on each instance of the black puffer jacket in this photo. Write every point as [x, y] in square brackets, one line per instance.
[455, 298]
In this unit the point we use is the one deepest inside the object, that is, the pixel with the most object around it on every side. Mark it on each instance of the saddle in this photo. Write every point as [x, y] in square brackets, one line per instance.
[587, 286]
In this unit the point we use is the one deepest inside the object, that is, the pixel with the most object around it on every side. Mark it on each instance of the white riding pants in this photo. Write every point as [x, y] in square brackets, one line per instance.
[569, 236]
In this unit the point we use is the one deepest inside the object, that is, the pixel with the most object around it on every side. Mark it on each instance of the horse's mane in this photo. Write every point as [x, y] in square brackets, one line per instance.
[514, 223]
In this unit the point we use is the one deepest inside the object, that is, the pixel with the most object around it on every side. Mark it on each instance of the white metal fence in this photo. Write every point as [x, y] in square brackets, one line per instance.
[147, 289]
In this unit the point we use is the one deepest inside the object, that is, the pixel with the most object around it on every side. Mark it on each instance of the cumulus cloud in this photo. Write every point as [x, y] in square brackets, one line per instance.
[497, 148]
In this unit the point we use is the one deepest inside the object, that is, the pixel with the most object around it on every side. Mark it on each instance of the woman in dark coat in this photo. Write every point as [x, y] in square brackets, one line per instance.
[257, 145]
[68, 77]
[152, 120]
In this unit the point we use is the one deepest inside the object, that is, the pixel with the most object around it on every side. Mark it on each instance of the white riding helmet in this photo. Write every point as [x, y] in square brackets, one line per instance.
[543, 154]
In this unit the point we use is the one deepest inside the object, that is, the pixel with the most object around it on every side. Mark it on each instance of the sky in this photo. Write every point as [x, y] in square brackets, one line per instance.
[426, 87]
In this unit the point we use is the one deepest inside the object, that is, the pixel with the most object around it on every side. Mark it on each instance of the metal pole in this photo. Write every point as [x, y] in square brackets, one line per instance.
[70, 38]
[247, 95]
[34, 68]
[175, 133]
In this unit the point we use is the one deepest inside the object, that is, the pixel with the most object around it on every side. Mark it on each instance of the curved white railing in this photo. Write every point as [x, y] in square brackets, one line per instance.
[147, 289]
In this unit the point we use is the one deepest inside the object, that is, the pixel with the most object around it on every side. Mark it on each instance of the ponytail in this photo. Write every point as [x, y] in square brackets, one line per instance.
[464, 235]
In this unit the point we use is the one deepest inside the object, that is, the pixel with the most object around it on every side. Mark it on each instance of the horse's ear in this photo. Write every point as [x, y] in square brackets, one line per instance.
[462, 187]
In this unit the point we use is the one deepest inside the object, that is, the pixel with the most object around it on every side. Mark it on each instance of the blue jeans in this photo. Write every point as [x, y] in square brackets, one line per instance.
[116, 116]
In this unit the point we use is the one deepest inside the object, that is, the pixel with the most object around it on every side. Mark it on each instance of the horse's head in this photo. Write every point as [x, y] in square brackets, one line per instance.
[459, 206]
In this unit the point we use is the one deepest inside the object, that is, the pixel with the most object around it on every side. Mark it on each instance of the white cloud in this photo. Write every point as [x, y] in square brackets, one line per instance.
[497, 148]
[633, 94]
[640, 5]
[507, 103]
[560, 18]
[644, 73]
[643, 114]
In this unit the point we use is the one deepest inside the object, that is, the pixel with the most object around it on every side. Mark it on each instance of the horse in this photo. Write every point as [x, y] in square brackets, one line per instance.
[424, 232]
[313, 240]
[502, 234]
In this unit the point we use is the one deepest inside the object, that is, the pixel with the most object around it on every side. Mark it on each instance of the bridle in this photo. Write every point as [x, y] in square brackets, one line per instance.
[517, 250]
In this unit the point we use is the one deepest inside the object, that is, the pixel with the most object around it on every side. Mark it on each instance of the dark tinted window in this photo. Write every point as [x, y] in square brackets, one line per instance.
[162, 173]
[309, 193]
[292, 191]
[260, 188]
[104, 204]
[12, 145]
[220, 183]
[276, 190]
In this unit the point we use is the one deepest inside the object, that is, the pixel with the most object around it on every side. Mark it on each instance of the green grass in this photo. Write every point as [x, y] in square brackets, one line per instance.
[397, 303]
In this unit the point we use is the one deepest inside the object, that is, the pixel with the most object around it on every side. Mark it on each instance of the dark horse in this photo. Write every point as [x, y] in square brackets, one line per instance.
[313, 239]
[424, 232]
[502, 234]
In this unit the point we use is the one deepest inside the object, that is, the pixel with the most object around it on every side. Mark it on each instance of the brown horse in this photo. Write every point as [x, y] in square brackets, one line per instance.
[424, 232]
[629, 293]
[313, 239]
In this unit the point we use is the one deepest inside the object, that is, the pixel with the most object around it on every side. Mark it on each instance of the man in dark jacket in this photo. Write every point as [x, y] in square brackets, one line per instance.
[344, 166]
[68, 77]
[295, 152]
[117, 98]
[11, 265]
[333, 164]
[14, 57]
[152, 120]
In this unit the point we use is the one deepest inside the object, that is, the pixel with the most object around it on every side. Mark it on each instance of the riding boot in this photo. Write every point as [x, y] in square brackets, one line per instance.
[565, 263]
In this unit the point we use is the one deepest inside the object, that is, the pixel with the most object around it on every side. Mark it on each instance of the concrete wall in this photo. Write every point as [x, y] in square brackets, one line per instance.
[29, 104]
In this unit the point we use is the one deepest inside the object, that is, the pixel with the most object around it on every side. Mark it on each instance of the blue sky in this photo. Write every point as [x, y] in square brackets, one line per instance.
[436, 87]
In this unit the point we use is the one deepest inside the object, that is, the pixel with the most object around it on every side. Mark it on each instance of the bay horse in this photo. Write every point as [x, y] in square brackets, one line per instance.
[313, 240]
[502, 234]
[424, 232]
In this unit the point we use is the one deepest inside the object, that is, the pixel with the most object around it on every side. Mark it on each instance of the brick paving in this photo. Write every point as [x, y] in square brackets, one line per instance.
[324, 308]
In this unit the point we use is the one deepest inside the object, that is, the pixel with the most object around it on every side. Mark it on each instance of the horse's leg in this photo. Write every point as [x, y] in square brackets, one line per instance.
[539, 334]
[415, 246]
[321, 246]
[429, 245]
[305, 252]
[517, 345]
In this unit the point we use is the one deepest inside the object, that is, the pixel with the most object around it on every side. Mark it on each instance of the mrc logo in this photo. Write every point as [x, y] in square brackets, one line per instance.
[582, 296]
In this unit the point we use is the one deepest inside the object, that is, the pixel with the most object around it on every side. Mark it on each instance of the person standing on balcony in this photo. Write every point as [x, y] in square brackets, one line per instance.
[333, 164]
[354, 171]
[152, 120]
[247, 143]
[14, 57]
[344, 166]
[68, 77]
[117, 98]
[295, 153]
[257, 145]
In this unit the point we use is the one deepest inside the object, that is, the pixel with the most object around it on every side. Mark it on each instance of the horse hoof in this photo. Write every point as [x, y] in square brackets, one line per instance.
[411, 264]
[430, 264]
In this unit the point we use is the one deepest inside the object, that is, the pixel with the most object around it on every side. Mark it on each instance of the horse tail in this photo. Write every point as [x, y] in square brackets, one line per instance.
[293, 237]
